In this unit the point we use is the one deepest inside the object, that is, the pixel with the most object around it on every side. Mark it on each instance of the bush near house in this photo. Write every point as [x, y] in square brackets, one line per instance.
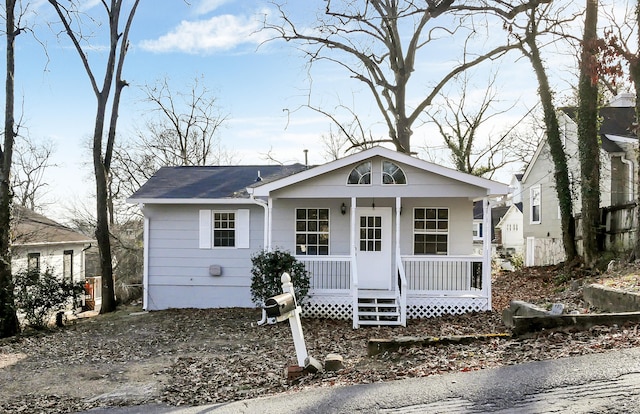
[268, 267]
[40, 295]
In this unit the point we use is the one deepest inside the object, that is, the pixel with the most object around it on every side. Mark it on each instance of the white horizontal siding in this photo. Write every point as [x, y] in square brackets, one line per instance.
[51, 256]
[178, 270]
[181, 296]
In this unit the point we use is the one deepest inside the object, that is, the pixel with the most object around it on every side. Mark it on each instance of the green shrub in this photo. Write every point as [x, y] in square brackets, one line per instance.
[267, 270]
[517, 261]
[39, 296]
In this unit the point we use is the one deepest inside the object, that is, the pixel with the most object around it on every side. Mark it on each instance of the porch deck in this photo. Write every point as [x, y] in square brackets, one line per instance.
[433, 286]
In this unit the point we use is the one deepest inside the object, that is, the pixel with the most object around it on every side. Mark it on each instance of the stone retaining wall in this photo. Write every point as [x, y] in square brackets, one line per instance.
[611, 300]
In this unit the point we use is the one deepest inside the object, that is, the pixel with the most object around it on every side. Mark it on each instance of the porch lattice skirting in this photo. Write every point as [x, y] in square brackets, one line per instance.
[340, 307]
[328, 307]
[429, 307]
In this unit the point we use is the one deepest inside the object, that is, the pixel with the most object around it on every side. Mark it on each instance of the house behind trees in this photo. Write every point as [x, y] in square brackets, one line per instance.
[618, 186]
[40, 243]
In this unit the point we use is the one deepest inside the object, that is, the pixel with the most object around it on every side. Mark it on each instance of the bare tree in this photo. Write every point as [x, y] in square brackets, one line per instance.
[350, 135]
[378, 42]
[588, 136]
[31, 160]
[109, 91]
[459, 122]
[9, 325]
[543, 21]
[186, 131]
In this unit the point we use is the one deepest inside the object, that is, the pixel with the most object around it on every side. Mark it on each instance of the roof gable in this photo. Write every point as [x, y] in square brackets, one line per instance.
[616, 125]
[32, 228]
[492, 187]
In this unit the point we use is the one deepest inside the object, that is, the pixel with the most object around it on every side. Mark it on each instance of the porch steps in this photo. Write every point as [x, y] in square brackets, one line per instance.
[378, 307]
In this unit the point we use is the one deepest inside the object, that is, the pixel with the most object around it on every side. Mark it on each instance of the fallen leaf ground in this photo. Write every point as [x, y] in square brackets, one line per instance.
[191, 357]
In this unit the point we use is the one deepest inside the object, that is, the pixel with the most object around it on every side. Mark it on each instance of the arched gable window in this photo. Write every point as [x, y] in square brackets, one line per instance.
[361, 174]
[392, 174]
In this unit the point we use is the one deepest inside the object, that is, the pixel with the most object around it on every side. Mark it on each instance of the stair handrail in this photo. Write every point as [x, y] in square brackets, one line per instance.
[402, 294]
[354, 291]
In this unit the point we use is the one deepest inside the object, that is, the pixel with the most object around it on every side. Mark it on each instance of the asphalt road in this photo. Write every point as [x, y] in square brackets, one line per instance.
[599, 383]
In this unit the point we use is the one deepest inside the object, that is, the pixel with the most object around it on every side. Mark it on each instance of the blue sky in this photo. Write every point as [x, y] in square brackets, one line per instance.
[218, 40]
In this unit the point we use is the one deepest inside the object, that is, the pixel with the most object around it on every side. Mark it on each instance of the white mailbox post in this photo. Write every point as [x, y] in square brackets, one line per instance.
[285, 306]
[294, 321]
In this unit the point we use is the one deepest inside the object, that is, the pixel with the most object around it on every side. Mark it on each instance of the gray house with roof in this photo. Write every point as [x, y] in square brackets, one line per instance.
[384, 235]
[618, 184]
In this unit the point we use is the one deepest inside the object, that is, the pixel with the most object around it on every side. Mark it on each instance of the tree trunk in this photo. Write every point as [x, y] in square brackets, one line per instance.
[588, 137]
[563, 185]
[9, 325]
[102, 213]
[634, 68]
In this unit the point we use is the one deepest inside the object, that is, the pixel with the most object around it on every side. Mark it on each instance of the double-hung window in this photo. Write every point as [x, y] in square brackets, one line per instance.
[430, 230]
[224, 229]
[536, 204]
[477, 231]
[312, 231]
[33, 262]
[67, 265]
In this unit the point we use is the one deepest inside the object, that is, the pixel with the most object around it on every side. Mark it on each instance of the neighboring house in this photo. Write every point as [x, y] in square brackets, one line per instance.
[40, 243]
[385, 236]
[497, 212]
[510, 228]
[541, 213]
[516, 189]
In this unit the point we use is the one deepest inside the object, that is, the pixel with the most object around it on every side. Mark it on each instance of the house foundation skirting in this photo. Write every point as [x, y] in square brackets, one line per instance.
[328, 307]
[430, 307]
[339, 306]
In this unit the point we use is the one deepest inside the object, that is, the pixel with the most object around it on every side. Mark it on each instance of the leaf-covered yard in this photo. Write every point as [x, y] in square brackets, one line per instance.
[190, 357]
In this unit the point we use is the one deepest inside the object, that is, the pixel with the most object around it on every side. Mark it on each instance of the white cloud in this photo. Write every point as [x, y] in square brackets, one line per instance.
[206, 6]
[219, 33]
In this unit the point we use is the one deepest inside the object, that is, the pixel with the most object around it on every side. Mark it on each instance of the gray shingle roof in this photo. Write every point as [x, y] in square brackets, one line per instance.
[33, 228]
[228, 181]
[614, 120]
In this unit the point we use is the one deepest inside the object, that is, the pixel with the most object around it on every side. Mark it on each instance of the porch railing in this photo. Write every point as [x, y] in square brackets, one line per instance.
[328, 272]
[443, 273]
[415, 273]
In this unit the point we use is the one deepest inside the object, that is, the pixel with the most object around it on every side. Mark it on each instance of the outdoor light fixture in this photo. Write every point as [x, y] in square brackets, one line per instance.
[343, 209]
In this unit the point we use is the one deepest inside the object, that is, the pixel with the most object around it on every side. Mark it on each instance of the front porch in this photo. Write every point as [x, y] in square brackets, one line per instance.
[426, 286]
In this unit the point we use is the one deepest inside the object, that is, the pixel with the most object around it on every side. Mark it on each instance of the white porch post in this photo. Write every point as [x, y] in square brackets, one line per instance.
[145, 264]
[354, 266]
[268, 222]
[398, 265]
[486, 249]
[397, 246]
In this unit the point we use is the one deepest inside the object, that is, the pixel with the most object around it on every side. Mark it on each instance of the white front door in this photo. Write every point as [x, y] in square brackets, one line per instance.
[373, 247]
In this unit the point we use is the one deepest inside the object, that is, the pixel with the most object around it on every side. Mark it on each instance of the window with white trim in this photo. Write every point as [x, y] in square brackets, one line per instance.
[361, 174]
[536, 204]
[224, 229]
[392, 174]
[312, 231]
[430, 230]
[477, 231]
[67, 265]
[33, 262]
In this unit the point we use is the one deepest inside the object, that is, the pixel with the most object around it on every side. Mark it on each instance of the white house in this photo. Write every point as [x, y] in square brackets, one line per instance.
[40, 243]
[511, 230]
[385, 236]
